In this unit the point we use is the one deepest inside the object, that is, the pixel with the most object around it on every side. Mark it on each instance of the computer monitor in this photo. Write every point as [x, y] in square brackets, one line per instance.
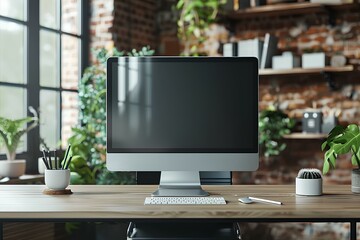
[182, 115]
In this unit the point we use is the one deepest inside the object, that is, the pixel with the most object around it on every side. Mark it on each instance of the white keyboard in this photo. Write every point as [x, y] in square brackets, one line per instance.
[184, 200]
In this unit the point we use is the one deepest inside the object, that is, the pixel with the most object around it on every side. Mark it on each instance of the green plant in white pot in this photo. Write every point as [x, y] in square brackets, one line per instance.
[11, 132]
[342, 140]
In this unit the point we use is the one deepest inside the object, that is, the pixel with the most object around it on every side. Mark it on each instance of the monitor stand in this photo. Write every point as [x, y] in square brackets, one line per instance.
[180, 184]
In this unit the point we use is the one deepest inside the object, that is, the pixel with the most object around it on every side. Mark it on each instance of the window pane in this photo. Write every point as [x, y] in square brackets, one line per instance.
[13, 106]
[12, 55]
[49, 117]
[13, 9]
[70, 62]
[12, 102]
[49, 13]
[49, 59]
[70, 16]
[69, 115]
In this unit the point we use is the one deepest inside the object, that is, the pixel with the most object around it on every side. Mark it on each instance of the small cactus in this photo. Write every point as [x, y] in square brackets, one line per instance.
[309, 173]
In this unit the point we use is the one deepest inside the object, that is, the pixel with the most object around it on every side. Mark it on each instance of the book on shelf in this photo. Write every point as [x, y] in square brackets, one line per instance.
[269, 50]
[230, 49]
[250, 48]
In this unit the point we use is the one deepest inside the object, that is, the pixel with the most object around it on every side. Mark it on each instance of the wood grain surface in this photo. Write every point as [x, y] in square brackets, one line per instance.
[297, 71]
[127, 202]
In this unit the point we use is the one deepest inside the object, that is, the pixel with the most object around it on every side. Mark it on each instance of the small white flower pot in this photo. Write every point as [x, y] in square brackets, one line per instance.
[308, 187]
[12, 168]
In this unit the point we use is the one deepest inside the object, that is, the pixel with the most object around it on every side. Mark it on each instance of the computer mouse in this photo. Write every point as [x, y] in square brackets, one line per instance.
[245, 200]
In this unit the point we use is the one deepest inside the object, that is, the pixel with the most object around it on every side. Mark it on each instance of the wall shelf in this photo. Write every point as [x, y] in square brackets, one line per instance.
[299, 71]
[288, 9]
[300, 135]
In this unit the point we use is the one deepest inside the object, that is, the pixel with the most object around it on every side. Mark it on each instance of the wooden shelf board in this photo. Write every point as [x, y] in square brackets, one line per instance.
[278, 9]
[294, 71]
[306, 136]
[288, 9]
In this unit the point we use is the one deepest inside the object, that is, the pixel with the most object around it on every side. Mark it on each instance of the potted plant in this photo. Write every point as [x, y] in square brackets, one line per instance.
[11, 132]
[273, 125]
[342, 140]
[88, 140]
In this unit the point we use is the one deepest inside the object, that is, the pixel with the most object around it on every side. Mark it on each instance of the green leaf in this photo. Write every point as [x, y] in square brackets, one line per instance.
[336, 131]
[11, 131]
[323, 145]
[329, 160]
[326, 167]
[273, 125]
[355, 158]
[344, 142]
[180, 4]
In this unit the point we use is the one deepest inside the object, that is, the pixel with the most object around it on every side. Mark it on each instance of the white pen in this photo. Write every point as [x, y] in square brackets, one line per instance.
[265, 200]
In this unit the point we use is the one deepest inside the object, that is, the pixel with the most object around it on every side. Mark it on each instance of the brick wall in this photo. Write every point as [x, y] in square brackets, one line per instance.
[297, 93]
[135, 24]
[131, 24]
[101, 23]
[168, 43]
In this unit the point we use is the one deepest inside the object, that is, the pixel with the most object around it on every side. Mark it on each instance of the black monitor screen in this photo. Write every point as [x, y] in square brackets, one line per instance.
[182, 105]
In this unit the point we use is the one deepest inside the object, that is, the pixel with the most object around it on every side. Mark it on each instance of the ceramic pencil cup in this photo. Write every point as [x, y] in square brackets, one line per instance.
[309, 182]
[57, 179]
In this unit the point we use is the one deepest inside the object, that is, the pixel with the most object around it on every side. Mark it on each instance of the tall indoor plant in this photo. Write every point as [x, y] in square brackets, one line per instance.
[273, 125]
[343, 140]
[11, 132]
[88, 140]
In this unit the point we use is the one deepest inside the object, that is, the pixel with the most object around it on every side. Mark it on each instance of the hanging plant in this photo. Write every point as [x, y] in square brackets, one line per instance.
[195, 19]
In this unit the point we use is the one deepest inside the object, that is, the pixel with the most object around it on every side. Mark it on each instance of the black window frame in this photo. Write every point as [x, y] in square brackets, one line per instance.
[32, 69]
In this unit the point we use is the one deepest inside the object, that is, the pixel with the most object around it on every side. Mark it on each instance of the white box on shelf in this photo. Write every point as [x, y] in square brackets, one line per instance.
[230, 49]
[286, 61]
[250, 48]
[314, 60]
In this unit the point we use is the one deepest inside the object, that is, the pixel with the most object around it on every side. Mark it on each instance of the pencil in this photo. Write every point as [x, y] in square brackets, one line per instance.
[45, 163]
[56, 165]
[68, 163]
[66, 155]
[44, 154]
[49, 156]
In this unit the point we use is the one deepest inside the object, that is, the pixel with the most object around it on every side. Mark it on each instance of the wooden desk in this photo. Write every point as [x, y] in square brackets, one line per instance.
[109, 203]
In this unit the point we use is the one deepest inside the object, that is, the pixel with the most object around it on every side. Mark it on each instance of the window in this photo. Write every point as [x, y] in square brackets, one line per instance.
[43, 50]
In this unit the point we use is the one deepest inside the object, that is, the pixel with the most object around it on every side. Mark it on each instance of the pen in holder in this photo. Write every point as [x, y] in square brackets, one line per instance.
[57, 173]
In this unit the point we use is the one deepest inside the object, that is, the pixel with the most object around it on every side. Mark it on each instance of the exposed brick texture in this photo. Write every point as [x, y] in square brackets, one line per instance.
[297, 93]
[129, 24]
[101, 23]
[134, 24]
[69, 67]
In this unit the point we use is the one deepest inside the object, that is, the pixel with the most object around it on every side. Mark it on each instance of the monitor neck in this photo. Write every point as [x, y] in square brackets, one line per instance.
[180, 184]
